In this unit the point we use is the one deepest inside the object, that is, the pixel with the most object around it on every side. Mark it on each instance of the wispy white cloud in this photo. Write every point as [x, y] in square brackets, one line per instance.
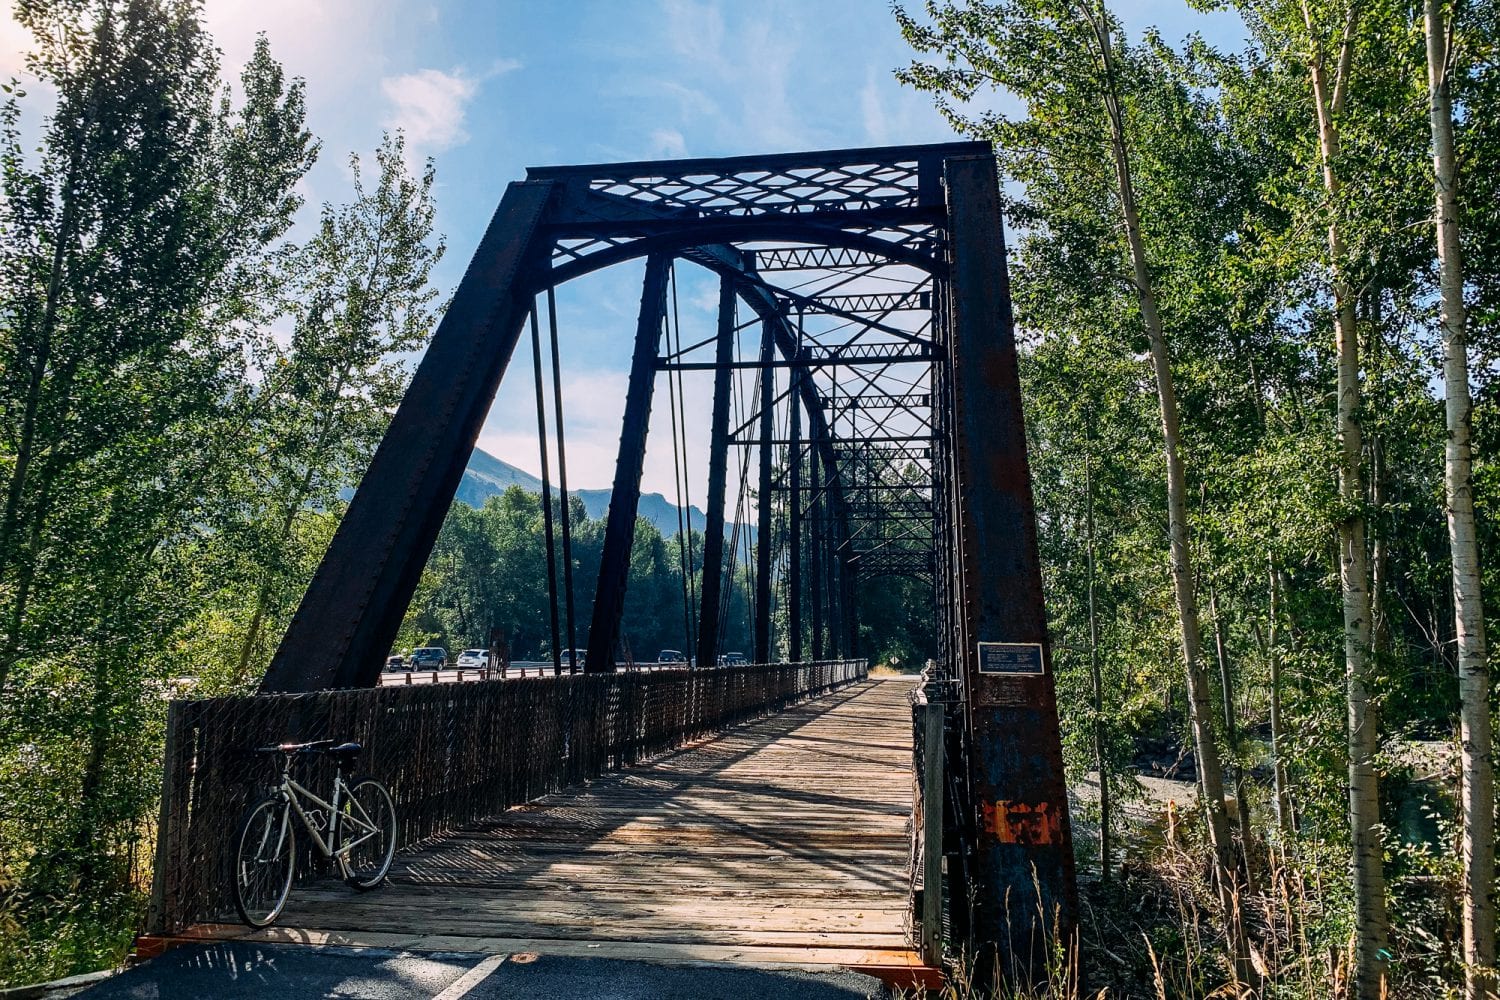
[429, 106]
[746, 65]
[694, 29]
[668, 142]
[767, 64]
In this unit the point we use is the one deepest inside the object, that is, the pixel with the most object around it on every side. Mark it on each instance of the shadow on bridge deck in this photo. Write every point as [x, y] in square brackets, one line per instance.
[782, 842]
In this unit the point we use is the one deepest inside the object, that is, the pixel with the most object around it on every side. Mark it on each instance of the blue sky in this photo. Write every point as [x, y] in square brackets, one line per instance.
[489, 87]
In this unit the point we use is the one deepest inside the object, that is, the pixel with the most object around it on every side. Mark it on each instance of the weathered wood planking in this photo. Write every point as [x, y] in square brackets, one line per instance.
[451, 754]
[783, 841]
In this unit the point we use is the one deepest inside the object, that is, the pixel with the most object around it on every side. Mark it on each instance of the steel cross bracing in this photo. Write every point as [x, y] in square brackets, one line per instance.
[864, 331]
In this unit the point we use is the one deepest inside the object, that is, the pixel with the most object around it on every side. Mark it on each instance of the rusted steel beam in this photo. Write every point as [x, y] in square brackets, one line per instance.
[541, 436]
[718, 469]
[1018, 816]
[763, 540]
[344, 627]
[927, 156]
[848, 575]
[794, 522]
[619, 529]
[819, 356]
[815, 555]
[562, 476]
[724, 260]
[869, 302]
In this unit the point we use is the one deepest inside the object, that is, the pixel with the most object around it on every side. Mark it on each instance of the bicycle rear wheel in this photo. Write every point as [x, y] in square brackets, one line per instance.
[265, 861]
[367, 832]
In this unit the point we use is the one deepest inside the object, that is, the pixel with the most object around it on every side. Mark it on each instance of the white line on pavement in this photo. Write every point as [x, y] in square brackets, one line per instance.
[466, 982]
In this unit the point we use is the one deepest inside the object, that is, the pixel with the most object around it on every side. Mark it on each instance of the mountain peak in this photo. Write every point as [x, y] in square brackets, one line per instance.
[487, 476]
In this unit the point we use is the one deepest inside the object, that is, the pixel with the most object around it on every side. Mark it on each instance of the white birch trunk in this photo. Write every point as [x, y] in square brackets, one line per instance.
[1200, 699]
[1096, 674]
[1200, 703]
[1372, 925]
[1273, 667]
[1477, 745]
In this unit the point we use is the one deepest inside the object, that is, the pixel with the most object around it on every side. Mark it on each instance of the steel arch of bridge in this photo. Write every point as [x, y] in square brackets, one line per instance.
[855, 263]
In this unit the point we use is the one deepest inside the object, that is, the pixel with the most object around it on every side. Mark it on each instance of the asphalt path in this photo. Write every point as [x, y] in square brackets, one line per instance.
[230, 970]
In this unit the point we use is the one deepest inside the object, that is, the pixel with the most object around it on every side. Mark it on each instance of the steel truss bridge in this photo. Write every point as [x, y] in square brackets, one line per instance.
[886, 427]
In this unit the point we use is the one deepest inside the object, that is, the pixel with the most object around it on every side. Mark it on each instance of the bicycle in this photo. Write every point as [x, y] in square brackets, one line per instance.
[360, 822]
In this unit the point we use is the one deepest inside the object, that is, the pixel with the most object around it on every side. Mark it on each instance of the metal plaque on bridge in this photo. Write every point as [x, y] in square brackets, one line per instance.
[1024, 658]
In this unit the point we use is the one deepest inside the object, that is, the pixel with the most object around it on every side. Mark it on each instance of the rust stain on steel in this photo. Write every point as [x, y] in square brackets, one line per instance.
[1031, 824]
[1022, 844]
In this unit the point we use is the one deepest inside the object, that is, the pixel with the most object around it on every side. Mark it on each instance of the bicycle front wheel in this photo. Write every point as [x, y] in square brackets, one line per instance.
[265, 861]
[367, 833]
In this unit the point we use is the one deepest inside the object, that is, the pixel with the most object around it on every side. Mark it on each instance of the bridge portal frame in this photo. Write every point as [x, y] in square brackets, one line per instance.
[935, 208]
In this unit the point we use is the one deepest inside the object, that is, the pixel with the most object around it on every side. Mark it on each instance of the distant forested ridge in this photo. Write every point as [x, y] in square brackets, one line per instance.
[489, 570]
[486, 476]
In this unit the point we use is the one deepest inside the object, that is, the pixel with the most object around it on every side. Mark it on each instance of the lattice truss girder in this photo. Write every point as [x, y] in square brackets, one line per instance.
[862, 316]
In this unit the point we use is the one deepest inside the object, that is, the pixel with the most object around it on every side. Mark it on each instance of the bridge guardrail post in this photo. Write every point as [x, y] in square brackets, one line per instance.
[930, 716]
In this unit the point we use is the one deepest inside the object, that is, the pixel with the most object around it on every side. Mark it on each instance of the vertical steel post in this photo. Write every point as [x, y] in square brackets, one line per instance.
[619, 528]
[794, 519]
[541, 433]
[931, 721]
[718, 469]
[815, 554]
[1022, 839]
[562, 480]
[344, 627]
[763, 539]
[850, 603]
[833, 543]
[830, 565]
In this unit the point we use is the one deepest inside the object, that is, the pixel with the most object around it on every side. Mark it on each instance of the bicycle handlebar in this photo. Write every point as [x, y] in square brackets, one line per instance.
[316, 746]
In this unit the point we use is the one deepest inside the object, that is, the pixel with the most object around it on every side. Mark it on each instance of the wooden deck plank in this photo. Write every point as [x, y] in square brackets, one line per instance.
[783, 841]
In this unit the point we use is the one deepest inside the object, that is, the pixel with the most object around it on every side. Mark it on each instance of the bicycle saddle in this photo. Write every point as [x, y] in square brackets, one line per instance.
[344, 752]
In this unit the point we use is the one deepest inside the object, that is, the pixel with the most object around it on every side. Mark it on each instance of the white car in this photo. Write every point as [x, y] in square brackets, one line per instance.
[473, 659]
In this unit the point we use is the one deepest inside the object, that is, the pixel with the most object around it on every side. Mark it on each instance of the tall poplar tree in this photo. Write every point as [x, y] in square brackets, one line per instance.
[135, 253]
[360, 298]
[1476, 740]
[1063, 60]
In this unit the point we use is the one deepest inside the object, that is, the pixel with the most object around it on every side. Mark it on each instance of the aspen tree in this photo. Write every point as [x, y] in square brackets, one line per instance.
[1476, 740]
[1061, 59]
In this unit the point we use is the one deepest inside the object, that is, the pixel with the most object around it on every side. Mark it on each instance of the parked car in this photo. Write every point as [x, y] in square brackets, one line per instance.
[395, 662]
[473, 659]
[732, 659]
[574, 658]
[671, 656]
[428, 658]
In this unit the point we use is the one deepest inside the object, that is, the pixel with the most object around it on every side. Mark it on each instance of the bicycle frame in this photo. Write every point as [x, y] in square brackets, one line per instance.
[294, 794]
